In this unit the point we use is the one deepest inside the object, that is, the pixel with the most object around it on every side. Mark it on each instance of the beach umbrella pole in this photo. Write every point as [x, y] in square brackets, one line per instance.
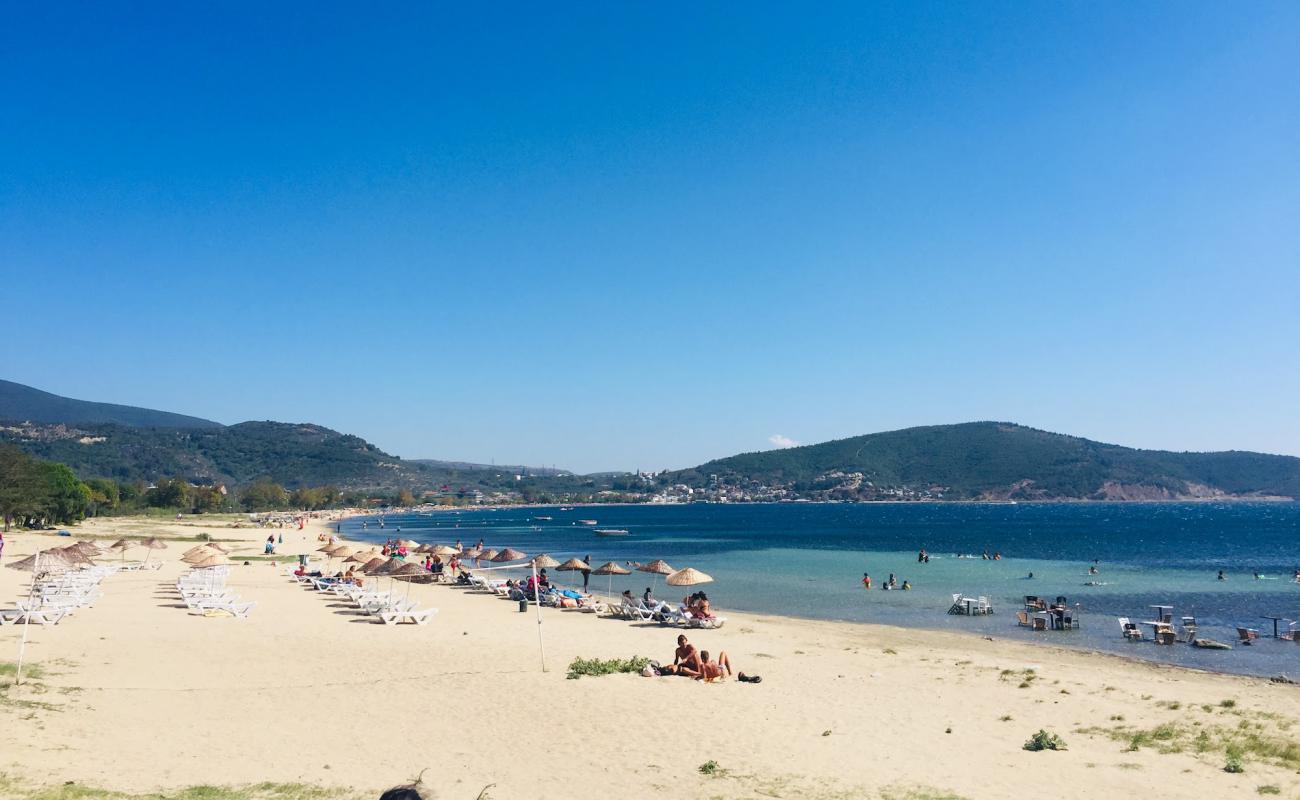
[537, 598]
[27, 619]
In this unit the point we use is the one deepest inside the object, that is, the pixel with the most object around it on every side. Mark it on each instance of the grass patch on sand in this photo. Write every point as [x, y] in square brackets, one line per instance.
[1246, 741]
[917, 793]
[12, 788]
[605, 666]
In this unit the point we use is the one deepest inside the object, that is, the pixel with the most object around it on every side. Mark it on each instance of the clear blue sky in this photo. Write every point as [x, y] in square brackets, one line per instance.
[645, 235]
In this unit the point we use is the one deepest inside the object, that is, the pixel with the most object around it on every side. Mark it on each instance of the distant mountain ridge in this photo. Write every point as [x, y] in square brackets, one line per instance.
[19, 403]
[999, 461]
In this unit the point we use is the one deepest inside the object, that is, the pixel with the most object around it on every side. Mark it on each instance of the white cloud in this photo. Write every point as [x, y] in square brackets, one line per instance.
[782, 442]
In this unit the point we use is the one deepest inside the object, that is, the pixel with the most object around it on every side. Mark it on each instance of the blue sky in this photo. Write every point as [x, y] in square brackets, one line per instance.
[645, 235]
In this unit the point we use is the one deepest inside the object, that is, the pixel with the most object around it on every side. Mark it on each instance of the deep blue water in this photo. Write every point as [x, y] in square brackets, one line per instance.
[807, 560]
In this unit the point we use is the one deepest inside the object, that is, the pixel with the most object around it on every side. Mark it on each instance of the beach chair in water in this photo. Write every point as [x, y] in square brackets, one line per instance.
[1247, 635]
[1130, 630]
[1022, 619]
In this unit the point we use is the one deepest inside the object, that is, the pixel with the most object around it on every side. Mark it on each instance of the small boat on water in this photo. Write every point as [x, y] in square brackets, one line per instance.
[543, 519]
[610, 532]
[586, 522]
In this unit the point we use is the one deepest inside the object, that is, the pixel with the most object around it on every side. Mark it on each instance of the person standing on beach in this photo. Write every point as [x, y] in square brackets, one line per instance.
[2, 547]
[586, 573]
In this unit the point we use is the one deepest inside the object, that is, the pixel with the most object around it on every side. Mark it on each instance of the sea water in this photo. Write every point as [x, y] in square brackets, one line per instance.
[807, 560]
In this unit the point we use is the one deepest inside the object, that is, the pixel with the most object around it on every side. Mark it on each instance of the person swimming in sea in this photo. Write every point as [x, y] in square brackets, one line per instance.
[1222, 577]
[866, 581]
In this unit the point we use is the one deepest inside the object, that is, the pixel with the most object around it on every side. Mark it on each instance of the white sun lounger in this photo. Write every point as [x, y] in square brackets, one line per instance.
[419, 617]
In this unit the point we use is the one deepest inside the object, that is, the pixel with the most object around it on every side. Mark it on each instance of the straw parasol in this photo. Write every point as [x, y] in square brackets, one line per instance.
[213, 560]
[199, 555]
[360, 557]
[153, 543]
[50, 560]
[409, 544]
[611, 569]
[122, 545]
[575, 565]
[410, 573]
[371, 566]
[485, 555]
[38, 564]
[688, 577]
[543, 561]
[88, 549]
[656, 568]
[424, 548]
[508, 554]
[196, 548]
[75, 556]
[220, 548]
[447, 550]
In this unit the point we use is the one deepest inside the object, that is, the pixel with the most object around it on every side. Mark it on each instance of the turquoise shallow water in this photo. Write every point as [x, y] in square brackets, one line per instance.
[807, 560]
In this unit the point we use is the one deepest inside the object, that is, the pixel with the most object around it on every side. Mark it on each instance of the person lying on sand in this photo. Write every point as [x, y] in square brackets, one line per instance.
[715, 671]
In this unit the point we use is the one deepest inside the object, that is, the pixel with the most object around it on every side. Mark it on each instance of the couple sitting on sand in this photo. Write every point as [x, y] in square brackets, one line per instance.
[692, 663]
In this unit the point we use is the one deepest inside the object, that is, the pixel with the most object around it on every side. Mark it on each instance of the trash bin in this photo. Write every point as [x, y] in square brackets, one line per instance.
[523, 606]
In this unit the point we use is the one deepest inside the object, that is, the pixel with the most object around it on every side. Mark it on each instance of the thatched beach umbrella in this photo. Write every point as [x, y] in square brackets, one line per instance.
[88, 549]
[39, 563]
[508, 554]
[656, 568]
[544, 561]
[485, 555]
[52, 560]
[153, 543]
[121, 546]
[575, 565]
[611, 569]
[219, 547]
[195, 549]
[410, 573]
[445, 550]
[75, 555]
[209, 565]
[688, 577]
[199, 555]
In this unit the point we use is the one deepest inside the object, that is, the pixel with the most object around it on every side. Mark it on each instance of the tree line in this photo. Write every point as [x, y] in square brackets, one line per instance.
[36, 493]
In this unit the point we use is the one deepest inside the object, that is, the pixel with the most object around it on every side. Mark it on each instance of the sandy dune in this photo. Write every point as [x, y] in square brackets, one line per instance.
[144, 696]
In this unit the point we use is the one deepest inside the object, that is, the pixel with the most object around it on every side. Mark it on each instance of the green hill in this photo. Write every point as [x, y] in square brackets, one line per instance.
[290, 454]
[19, 403]
[996, 460]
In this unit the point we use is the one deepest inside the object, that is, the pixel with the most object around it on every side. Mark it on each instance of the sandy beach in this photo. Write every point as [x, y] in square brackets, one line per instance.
[136, 695]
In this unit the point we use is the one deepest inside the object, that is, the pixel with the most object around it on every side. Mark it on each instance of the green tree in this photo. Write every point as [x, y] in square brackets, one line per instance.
[169, 493]
[264, 495]
[22, 488]
[104, 494]
[67, 497]
[206, 499]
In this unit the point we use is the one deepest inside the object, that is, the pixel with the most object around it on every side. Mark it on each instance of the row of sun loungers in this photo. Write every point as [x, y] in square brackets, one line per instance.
[58, 597]
[664, 614]
[204, 593]
[383, 606]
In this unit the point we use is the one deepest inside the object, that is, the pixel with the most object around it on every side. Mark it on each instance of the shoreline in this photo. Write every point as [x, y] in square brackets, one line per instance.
[305, 692]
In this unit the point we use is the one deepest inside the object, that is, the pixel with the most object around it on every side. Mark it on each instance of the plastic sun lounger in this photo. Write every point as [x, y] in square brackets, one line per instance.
[418, 616]
[233, 608]
[41, 616]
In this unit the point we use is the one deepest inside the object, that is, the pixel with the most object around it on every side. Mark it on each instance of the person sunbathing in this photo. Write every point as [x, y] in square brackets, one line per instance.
[686, 660]
[711, 671]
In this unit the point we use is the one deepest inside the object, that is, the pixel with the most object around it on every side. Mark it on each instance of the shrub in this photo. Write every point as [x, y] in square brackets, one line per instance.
[1233, 763]
[598, 666]
[1044, 741]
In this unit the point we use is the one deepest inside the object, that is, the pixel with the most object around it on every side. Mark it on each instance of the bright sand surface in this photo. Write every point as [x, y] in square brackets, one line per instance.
[144, 696]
